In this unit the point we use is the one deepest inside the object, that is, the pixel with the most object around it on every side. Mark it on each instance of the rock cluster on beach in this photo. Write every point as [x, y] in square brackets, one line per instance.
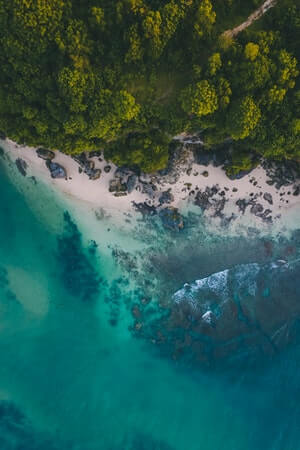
[88, 166]
[193, 174]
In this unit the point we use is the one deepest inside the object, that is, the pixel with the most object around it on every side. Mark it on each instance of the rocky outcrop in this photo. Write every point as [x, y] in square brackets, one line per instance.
[88, 166]
[145, 209]
[240, 314]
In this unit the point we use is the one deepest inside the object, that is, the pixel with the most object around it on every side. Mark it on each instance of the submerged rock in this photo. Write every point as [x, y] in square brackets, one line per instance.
[202, 199]
[145, 209]
[171, 218]
[256, 209]
[21, 166]
[243, 313]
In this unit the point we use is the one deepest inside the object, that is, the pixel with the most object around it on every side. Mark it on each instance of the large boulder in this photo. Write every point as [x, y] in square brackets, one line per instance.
[116, 186]
[45, 154]
[171, 218]
[131, 183]
[56, 170]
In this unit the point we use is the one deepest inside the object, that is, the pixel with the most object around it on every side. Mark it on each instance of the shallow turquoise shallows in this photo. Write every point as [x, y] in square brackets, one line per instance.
[73, 376]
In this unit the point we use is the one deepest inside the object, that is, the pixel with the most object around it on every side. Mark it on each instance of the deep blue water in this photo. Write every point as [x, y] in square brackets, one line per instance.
[72, 373]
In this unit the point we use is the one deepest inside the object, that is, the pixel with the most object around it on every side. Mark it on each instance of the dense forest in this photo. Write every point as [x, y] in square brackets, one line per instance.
[127, 75]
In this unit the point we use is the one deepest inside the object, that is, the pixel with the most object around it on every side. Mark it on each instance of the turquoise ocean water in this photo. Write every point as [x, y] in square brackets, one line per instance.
[73, 375]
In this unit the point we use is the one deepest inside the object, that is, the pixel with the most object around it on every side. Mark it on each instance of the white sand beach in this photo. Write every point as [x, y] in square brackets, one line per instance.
[193, 178]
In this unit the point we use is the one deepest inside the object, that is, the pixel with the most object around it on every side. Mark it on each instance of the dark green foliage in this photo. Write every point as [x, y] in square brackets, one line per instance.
[86, 75]
[150, 151]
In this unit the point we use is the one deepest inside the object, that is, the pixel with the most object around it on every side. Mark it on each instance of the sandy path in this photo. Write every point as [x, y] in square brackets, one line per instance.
[257, 14]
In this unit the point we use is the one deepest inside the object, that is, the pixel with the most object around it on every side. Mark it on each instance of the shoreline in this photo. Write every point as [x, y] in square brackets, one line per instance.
[253, 200]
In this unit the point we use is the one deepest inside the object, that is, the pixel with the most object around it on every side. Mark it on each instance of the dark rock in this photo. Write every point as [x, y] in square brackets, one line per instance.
[189, 171]
[268, 198]
[115, 185]
[171, 218]
[149, 189]
[234, 189]
[242, 204]
[45, 154]
[131, 183]
[107, 169]
[203, 158]
[166, 197]
[202, 199]
[214, 190]
[56, 170]
[87, 166]
[219, 206]
[205, 173]
[95, 174]
[265, 216]
[122, 172]
[145, 209]
[296, 191]
[256, 209]
[21, 166]
[120, 194]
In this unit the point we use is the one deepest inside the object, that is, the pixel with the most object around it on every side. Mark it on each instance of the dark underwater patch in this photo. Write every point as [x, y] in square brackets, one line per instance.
[78, 274]
[17, 433]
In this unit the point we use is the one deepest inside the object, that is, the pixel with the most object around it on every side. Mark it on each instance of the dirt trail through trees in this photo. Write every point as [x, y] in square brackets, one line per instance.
[257, 14]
